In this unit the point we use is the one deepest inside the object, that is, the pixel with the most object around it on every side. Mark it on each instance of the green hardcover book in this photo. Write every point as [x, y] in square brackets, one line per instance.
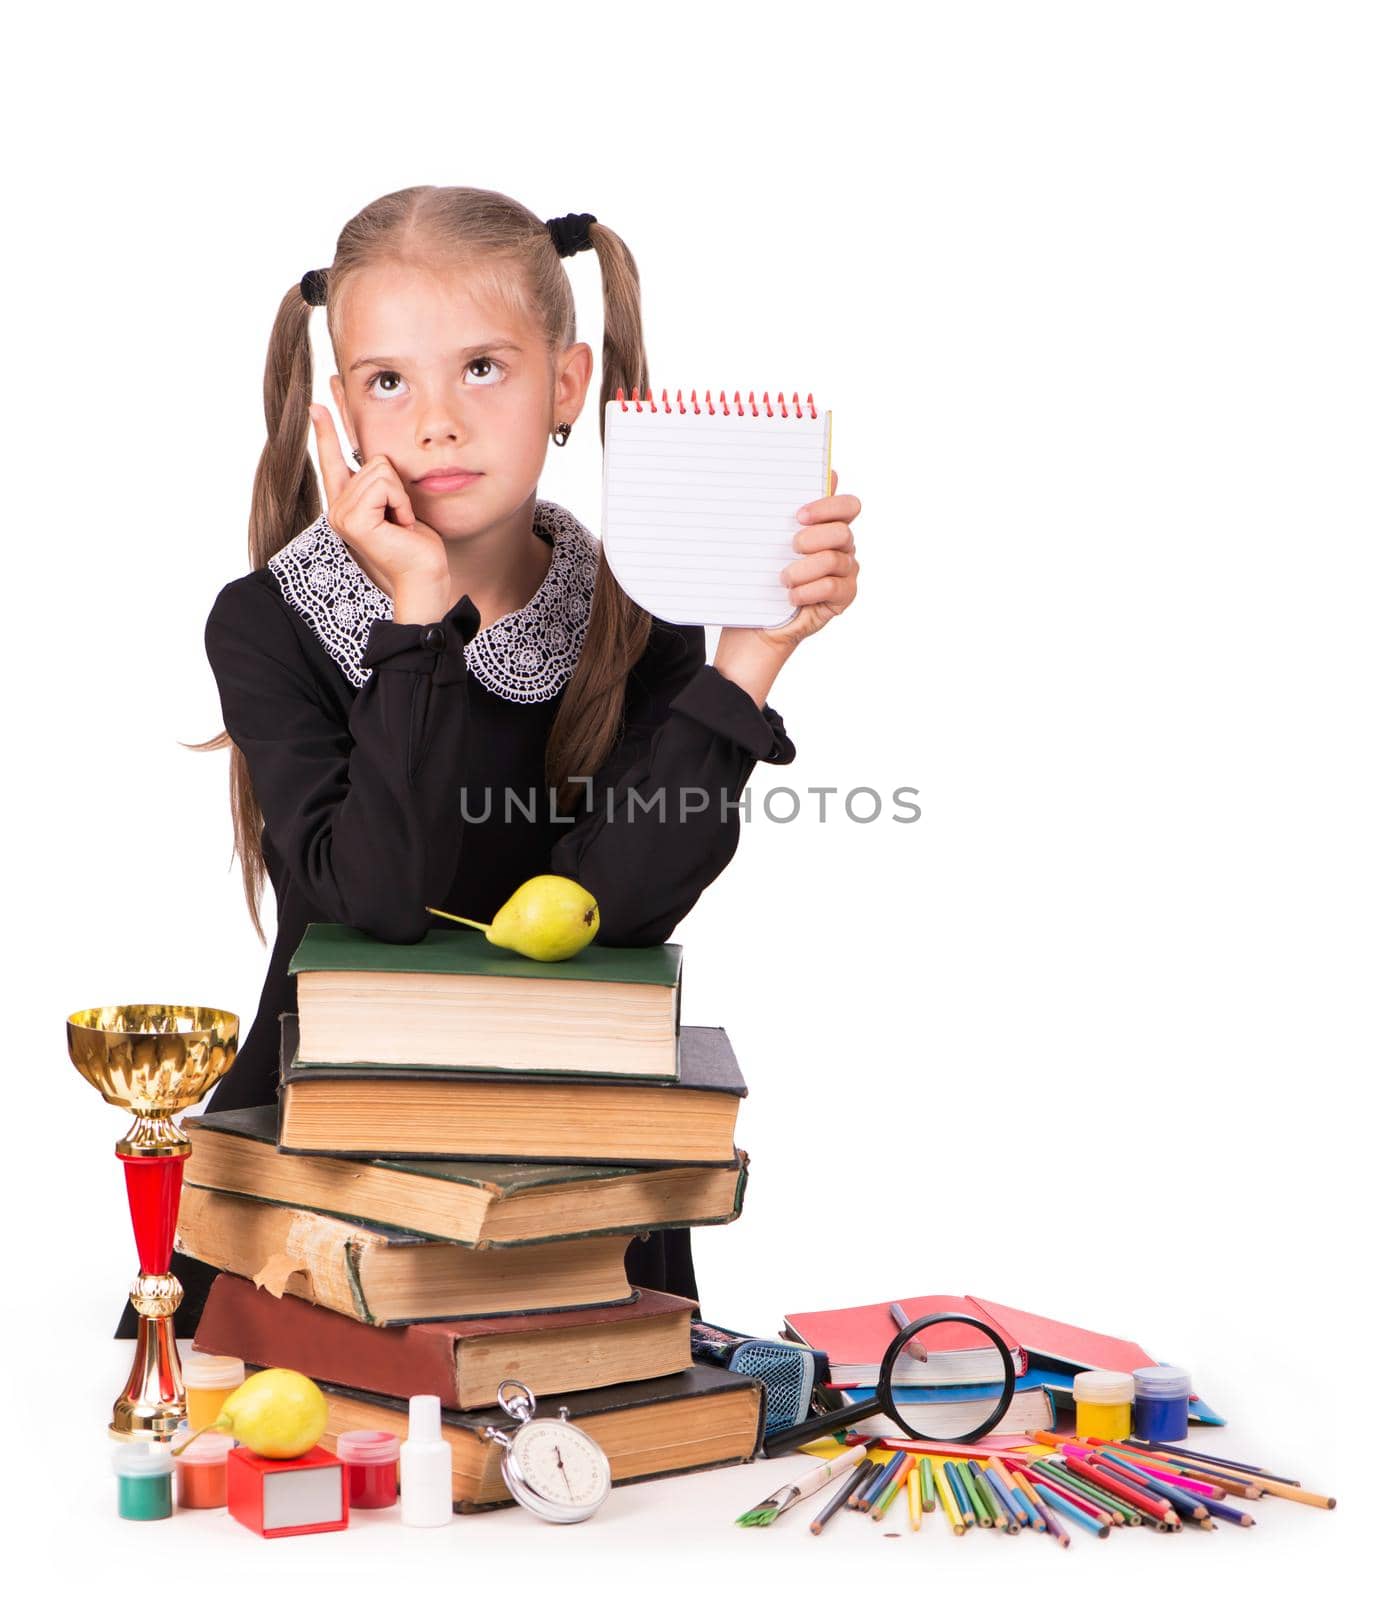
[454, 1000]
[480, 1204]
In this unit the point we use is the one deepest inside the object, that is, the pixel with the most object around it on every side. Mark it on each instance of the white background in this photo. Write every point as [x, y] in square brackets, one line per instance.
[1086, 287]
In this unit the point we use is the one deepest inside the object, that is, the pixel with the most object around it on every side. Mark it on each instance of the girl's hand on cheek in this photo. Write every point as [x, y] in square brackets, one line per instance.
[409, 555]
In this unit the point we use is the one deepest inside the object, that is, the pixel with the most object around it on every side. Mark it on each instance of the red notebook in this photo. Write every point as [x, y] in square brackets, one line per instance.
[1060, 1341]
[856, 1338]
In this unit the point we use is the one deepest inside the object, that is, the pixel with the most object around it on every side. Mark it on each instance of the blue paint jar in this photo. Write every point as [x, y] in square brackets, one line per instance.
[1161, 1395]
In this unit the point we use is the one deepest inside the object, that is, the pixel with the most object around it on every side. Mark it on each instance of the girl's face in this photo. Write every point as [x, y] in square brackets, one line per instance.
[432, 378]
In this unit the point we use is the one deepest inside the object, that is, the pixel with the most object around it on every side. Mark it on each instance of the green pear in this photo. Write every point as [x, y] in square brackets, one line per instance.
[548, 918]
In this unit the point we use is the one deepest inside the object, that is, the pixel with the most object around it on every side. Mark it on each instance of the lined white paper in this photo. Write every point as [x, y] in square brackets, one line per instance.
[698, 512]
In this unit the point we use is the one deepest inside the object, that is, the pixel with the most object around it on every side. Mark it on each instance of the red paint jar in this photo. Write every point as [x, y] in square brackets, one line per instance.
[369, 1456]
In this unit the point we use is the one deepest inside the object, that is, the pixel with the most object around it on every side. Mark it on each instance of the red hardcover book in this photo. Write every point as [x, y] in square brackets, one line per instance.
[463, 1360]
[856, 1338]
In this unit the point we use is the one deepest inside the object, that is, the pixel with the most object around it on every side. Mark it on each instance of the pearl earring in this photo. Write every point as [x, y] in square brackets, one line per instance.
[561, 432]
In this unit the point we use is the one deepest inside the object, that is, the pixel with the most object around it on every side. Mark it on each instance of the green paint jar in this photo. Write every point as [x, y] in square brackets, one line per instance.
[144, 1474]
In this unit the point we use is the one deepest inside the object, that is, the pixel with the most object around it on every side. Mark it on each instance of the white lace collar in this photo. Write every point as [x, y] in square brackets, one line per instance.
[526, 655]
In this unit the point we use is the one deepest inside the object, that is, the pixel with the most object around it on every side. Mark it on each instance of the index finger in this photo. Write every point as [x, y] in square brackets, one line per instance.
[334, 469]
[830, 508]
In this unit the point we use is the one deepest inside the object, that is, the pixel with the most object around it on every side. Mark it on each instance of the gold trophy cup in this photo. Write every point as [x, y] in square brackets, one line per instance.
[153, 1061]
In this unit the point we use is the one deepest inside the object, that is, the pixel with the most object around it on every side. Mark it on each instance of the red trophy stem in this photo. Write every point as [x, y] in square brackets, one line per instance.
[154, 1185]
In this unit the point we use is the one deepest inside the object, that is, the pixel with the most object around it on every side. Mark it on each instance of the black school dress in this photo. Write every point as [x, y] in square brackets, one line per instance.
[400, 765]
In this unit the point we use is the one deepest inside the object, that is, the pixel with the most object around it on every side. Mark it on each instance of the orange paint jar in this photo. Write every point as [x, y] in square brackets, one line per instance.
[209, 1380]
[202, 1478]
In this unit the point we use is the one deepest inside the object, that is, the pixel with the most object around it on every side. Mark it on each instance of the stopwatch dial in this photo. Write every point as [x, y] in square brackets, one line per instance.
[561, 1463]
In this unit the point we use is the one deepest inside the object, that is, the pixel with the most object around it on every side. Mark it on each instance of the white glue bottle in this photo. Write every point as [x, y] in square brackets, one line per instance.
[426, 1468]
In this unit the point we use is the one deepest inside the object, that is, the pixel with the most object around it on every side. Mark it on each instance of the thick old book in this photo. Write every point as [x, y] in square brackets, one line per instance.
[454, 1000]
[476, 1203]
[703, 1417]
[463, 1362]
[379, 1109]
[384, 1275]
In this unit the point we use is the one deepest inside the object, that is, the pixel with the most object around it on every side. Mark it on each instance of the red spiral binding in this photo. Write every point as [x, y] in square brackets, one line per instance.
[666, 405]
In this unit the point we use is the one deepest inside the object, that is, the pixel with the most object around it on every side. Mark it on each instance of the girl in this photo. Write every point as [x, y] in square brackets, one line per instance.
[435, 690]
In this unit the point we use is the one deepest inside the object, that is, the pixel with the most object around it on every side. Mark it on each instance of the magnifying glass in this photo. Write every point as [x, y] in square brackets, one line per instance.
[973, 1408]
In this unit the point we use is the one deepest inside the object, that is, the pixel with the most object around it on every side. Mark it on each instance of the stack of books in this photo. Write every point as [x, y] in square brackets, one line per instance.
[466, 1143]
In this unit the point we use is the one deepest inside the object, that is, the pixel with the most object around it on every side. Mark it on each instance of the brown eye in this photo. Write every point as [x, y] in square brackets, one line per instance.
[375, 382]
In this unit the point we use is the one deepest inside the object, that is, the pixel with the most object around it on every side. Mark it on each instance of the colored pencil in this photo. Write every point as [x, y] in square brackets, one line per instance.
[1266, 1482]
[1069, 1483]
[1002, 1515]
[1159, 1470]
[1229, 1513]
[872, 1467]
[1043, 1481]
[1244, 1481]
[913, 1506]
[987, 1508]
[869, 1491]
[1123, 1490]
[1056, 1470]
[1067, 1509]
[960, 1494]
[1183, 1503]
[894, 1486]
[981, 1511]
[1104, 1485]
[831, 1506]
[943, 1488]
[1216, 1461]
[1048, 1523]
[926, 1484]
[1182, 1497]
[1007, 1508]
[1026, 1511]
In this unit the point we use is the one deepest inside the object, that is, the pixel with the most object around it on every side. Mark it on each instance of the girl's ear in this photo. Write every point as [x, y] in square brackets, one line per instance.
[572, 378]
[341, 406]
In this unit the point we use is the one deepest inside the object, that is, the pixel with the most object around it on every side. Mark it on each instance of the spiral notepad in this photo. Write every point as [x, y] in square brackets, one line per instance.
[699, 502]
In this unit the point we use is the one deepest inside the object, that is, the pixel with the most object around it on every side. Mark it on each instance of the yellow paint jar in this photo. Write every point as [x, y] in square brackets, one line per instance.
[1102, 1401]
[209, 1380]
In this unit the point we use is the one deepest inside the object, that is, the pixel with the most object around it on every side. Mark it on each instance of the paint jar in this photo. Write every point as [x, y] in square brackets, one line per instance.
[209, 1380]
[201, 1478]
[1161, 1396]
[1102, 1401]
[144, 1472]
[369, 1456]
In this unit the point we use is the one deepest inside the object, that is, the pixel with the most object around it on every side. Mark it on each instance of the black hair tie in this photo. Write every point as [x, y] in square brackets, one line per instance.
[572, 232]
[314, 286]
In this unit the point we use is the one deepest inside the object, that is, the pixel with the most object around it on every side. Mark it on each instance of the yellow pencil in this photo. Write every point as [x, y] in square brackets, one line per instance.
[913, 1499]
[941, 1488]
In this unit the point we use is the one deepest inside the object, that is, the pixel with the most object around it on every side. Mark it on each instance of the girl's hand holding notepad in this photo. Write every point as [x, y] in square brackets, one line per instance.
[822, 581]
[408, 555]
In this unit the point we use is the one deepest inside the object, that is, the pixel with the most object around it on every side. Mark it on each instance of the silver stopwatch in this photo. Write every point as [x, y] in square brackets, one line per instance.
[550, 1466]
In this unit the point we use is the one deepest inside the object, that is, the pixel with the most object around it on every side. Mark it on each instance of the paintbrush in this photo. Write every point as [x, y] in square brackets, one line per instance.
[766, 1512]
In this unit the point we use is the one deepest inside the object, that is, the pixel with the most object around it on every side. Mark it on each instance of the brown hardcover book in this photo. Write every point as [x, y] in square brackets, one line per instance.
[382, 1275]
[477, 1203]
[375, 1109]
[461, 1362]
[703, 1417]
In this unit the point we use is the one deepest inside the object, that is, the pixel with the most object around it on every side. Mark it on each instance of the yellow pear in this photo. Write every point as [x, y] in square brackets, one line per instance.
[276, 1413]
[548, 918]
